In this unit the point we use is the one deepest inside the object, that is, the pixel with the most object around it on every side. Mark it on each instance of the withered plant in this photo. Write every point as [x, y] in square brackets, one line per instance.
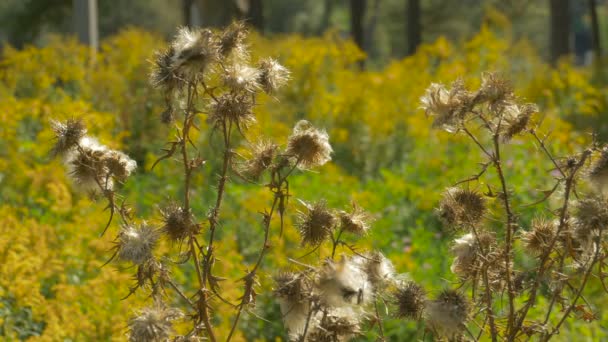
[208, 76]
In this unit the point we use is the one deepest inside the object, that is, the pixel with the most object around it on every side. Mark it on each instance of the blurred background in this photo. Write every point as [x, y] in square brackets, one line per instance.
[358, 69]
[384, 29]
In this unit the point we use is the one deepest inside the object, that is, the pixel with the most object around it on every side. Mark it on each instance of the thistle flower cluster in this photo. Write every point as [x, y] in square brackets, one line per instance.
[93, 167]
[502, 113]
[198, 56]
[490, 245]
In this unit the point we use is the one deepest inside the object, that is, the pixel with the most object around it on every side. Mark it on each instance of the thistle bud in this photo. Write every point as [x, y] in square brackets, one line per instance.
[315, 224]
[67, 135]
[153, 324]
[272, 75]
[591, 217]
[135, 244]
[309, 145]
[410, 299]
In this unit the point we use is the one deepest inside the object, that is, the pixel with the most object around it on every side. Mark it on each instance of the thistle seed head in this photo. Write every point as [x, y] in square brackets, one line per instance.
[309, 146]
[343, 283]
[335, 328]
[87, 168]
[240, 77]
[67, 135]
[272, 75]
[598, 174]
[167, 116]
[356, 222]
[315, 224]
[263, 154]
[465, 251]
[237, 109]
[495, 89]
[591, 217]
[194, 51]
[135, 244]
[378, 269]
[515, 120]
[178, 224]
[448, 313]
[119, 165]
[410, 299]
[461, 207]
[153, 324]
[539, 238]
[163, 73]
[293, 287]
[446, 106]
[232, 40]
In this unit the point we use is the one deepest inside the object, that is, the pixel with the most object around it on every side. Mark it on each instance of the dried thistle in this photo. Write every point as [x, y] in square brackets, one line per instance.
[598, 173]
[515, 120]
[153, 324]
[237, 109]
[67, 135]
[263, 153]
[87, 167]
[448, 313]
[356, 222]
[495, 89]
[232, 40]
[335, 328]
[378, 269]
[539, 238]
[316, 224]
[163, 73]
[591, 217]
[178, 224]
[294, 287]
[272, 75]
[410, 299]
[135, 244]
[447, 106]
[465, 250]
[309, 145]
[460, 207]
[343, 283]
[119, 165]
[241, 77]
[194, 50]
[167, 116]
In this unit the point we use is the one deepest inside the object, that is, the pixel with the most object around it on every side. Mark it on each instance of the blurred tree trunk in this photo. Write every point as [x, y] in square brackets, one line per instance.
[560, 28]
[414, 29]
[595, 31]
[357, 17]
[370, 29]
[216, 13]
[255, 14]
[85, 22]
[328, 8]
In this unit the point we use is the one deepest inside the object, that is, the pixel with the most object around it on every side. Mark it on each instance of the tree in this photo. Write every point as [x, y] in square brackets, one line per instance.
[357, 17]
[255, 14]
[216, 13]
[414, 29]
[595, 30]
[560, 28]
[85, 22]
